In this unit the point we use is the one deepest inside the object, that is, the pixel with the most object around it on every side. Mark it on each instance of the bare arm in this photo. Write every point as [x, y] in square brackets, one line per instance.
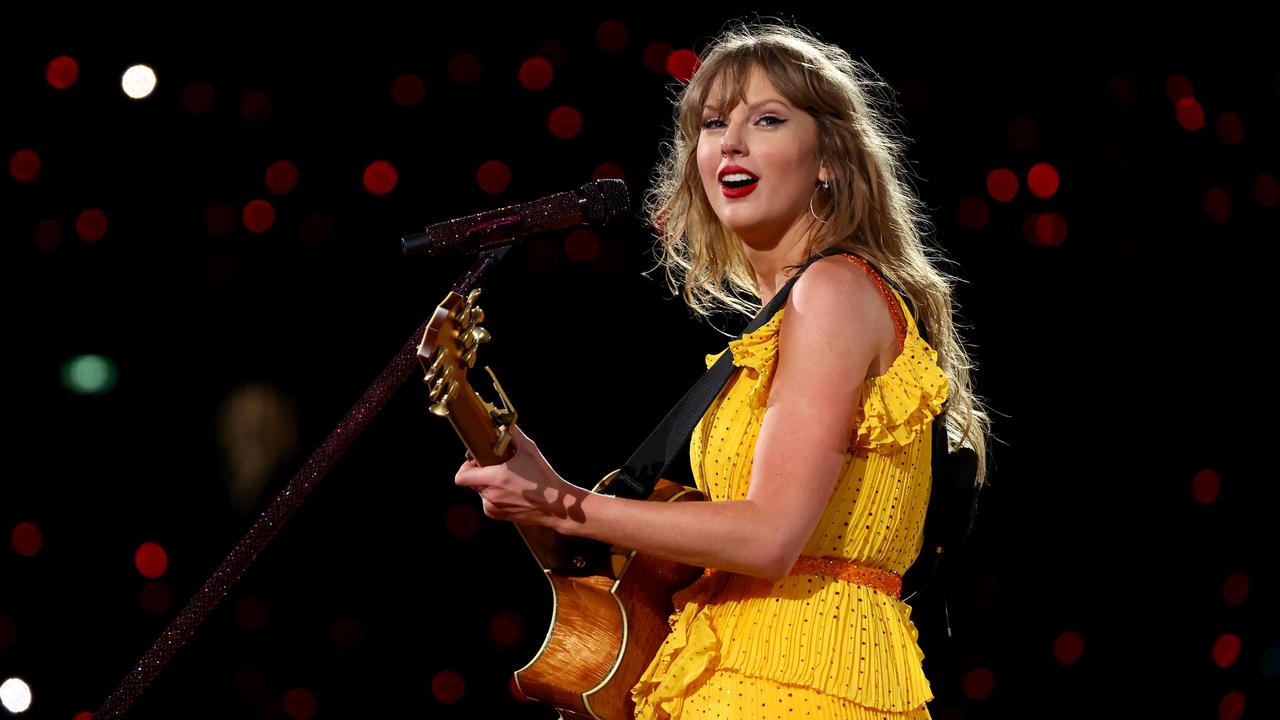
[834, 325]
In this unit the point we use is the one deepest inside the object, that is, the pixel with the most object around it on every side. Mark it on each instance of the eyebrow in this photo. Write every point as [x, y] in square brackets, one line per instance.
[752, 106]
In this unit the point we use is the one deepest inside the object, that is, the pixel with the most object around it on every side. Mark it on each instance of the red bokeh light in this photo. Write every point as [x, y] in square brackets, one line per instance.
[979, 683]
[282, 177]
[462, 521]
[155, 598]
[505, 628]
[1232, 706]
[682, 64]
[1266, 190]
[1042, 180]
[1205, 486]
[24, 165]
[1046, 229]
[565, 122]
[91, 225]
[26, 539]
[380, 177]
[299, 704]
[48, 235]
[536, 74]
[197, 97]
[608, 170]
[151, 560]
[1002, 184]
[258, 216]
[612, 36]
[493, 177]
[1190, 114]
[1226, 650]
[1236, 589]
[1230, 128]
[1217, 205]
[62, 72]
[1068, 648]
[220, 220]
[465, 68]
[408, 90]
[581, 245]
[255, 106]
[447, 687]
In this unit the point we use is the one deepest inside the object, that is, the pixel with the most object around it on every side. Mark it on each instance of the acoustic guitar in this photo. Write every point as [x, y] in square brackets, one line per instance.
[610, 605]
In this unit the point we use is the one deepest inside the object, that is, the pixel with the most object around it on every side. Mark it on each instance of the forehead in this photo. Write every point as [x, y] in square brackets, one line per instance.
[756, 88]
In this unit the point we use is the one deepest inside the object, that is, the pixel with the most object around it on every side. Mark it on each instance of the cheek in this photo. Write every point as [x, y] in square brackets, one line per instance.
[708, 163]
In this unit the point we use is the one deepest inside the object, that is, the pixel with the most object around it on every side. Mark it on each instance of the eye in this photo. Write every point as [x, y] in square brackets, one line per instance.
[772, 122]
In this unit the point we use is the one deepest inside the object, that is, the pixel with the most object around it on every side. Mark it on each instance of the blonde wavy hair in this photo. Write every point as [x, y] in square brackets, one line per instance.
[868, 209]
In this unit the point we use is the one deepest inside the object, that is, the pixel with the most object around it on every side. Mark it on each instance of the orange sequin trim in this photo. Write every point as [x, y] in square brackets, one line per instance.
[899, 323]
[842, 569]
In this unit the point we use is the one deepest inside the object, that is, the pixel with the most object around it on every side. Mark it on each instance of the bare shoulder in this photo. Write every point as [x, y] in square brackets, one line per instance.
[833, 331]
[835, 281]
[841, 295]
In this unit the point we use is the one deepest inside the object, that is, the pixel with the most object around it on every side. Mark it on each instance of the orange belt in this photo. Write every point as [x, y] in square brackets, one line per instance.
[842, 569]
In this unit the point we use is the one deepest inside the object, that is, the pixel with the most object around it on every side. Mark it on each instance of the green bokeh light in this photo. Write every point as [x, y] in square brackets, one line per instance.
[89, 375]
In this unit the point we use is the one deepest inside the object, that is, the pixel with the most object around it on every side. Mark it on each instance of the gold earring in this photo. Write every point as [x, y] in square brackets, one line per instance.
[811, 198]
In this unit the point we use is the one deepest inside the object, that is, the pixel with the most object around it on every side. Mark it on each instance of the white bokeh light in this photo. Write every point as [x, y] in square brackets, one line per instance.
[138, 82]
[15, 695]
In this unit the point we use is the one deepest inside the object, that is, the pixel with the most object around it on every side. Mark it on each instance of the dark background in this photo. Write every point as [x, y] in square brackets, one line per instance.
[1119, 363]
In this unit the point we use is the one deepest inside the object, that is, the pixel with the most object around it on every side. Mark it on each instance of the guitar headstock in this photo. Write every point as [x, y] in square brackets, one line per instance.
[448, 350]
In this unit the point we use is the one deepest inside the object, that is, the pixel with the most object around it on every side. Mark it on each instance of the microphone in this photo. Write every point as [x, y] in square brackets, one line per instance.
[597, 202]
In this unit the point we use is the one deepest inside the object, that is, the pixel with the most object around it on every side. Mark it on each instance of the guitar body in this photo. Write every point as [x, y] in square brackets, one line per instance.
[610, 605]
[606, 628]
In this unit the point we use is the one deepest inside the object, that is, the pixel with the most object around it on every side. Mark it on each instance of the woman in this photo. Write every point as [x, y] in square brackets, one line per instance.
[816, 454]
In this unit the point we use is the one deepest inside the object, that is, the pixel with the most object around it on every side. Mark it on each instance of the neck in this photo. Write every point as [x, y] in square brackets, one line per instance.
[769, 261]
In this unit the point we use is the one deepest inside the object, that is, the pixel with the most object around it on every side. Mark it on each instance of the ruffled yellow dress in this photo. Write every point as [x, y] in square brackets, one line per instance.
[820, 643]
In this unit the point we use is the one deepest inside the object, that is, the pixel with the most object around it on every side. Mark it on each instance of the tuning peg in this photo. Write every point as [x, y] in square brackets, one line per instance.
[480, 335]
[441, 408]
[437, 389]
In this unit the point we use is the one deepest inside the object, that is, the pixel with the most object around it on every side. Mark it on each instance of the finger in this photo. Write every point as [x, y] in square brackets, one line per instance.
[470, 478]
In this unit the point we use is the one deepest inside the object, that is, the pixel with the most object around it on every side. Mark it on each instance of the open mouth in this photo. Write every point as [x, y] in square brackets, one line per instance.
[738, 180]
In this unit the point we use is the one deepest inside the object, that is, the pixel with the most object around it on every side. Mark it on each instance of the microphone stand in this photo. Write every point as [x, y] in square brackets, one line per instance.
[322, 459]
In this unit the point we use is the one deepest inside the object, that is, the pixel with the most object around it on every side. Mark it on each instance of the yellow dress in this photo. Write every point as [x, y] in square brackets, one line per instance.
[809, 645]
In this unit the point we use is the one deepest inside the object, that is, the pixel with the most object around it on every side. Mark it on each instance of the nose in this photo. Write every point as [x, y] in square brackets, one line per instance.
[732, 142]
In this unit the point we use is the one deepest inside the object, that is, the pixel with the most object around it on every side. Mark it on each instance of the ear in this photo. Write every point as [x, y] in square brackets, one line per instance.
[823, 175]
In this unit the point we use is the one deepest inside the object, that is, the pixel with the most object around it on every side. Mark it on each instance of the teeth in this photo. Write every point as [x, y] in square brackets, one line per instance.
[736, 177]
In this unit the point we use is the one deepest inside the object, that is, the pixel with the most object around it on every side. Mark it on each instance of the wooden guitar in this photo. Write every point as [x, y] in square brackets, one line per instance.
[610, 605]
